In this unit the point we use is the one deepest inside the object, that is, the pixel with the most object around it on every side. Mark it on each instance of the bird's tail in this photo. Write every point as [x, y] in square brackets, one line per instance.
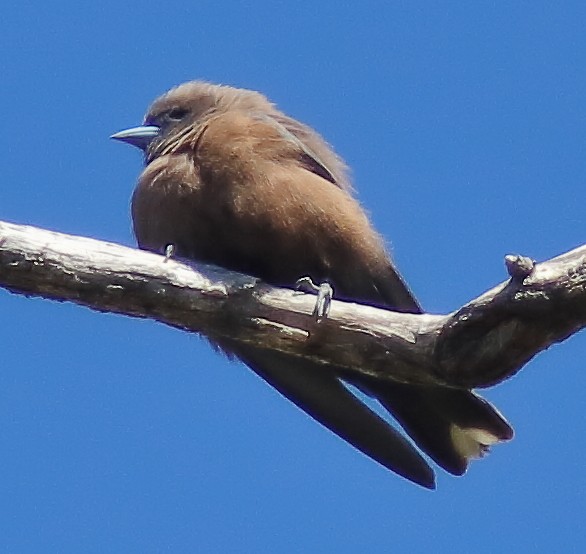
[452, 426]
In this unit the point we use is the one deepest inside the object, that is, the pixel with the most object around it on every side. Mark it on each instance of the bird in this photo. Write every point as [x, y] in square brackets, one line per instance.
[231, 180]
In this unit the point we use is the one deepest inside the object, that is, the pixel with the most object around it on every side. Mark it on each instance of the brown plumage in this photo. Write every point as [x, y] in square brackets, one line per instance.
[232, 181]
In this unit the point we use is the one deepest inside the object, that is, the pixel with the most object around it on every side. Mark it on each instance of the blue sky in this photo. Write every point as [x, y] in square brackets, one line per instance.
[464, 124]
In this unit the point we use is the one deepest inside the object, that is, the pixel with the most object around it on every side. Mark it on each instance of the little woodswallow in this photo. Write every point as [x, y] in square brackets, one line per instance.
[232, 181]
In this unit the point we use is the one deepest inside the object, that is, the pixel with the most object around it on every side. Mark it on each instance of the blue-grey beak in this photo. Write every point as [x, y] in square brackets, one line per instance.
[140, 137]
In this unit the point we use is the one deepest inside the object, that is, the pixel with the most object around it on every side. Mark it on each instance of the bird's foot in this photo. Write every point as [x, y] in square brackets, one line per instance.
[324, 292]
[169, 252]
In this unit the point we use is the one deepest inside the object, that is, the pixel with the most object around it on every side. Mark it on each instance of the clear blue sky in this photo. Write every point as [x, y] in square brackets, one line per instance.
[464, 124]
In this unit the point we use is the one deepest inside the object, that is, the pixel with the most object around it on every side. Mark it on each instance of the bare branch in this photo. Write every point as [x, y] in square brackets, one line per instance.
[484, 342]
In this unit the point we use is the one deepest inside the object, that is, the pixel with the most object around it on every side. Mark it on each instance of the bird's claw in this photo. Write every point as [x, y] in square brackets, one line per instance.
[324, 291]
[169, 252]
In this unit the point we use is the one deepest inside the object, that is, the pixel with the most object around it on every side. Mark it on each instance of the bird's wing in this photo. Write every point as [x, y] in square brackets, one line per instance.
[316, 390]
[450, 426]
[394, 293]
[389, 283]
[308, 157]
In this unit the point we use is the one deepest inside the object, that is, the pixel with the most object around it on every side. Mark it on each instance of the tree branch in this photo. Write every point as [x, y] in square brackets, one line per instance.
[485, 342]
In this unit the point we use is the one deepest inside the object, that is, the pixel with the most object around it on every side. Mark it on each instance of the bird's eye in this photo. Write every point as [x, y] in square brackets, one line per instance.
[177, 114]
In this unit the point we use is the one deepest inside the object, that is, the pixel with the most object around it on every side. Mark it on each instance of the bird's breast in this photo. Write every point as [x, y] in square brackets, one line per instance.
[267, 217]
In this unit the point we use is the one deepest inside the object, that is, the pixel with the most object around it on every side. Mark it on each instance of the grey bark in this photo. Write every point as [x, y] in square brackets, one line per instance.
[484, 342]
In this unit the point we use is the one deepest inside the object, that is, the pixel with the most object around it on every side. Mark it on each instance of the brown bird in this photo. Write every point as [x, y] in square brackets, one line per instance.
[231, 180]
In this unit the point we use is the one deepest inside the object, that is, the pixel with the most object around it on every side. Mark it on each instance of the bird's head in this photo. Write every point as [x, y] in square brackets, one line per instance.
[175, 117]
[175, 120]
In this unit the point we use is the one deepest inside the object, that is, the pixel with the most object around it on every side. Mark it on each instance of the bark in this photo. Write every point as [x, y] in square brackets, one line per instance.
[484, 342]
